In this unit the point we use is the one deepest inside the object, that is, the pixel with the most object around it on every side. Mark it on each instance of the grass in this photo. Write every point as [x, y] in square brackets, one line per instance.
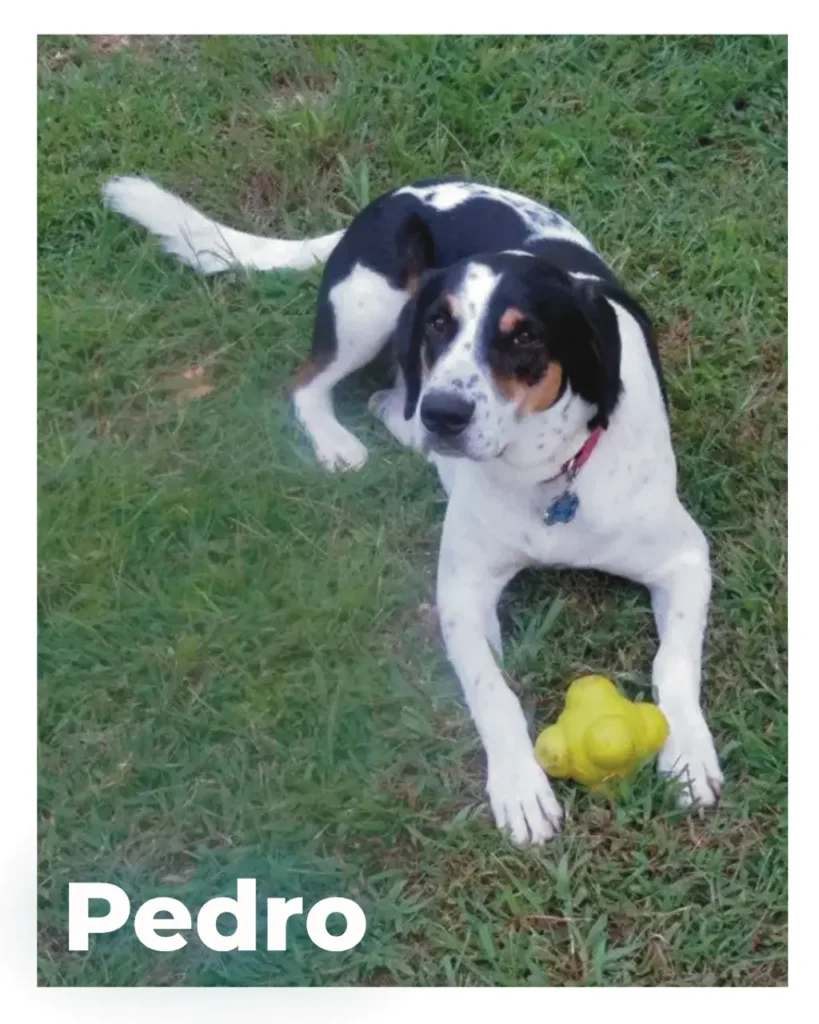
[238, 672]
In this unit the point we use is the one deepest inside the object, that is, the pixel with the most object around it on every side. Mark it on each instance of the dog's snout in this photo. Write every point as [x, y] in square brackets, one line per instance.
[445, 414]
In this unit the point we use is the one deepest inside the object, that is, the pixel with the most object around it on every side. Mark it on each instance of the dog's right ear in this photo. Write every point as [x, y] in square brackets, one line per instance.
[408, 337]
[416, 255]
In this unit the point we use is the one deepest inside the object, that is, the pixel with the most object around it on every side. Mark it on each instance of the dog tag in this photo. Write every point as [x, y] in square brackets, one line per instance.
[562, 509]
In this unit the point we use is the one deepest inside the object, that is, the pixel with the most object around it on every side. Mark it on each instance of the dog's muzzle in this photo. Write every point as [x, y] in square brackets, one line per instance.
[446, 415]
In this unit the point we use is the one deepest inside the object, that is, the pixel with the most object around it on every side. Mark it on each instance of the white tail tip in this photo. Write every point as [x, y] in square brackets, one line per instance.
[202, 243]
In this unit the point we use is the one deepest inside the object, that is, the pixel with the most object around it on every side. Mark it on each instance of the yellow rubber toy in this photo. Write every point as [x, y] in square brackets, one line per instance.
[600, 735]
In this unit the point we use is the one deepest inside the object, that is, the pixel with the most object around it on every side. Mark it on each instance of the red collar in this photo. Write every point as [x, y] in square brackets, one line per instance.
[571, 467]
[578, 461]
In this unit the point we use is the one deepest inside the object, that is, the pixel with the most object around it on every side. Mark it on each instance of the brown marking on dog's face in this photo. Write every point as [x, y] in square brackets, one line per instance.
[532, 398]
[510, 319]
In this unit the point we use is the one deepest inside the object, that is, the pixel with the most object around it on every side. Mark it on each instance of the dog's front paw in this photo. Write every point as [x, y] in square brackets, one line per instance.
[690, 758]
[522, 800]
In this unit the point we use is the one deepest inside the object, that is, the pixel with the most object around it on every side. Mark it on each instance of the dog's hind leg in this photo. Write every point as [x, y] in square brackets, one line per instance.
[354, 320]
[388, 406]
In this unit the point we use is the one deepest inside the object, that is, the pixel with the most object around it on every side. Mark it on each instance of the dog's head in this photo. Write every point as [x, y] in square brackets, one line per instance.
[492, 341]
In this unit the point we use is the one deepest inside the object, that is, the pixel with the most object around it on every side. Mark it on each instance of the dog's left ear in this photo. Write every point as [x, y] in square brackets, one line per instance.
[606, 344]
[416, 256]
[604, 340]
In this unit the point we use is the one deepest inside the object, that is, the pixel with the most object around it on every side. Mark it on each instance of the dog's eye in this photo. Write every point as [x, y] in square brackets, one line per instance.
[523, 338]
[439, 322]
[441, 325]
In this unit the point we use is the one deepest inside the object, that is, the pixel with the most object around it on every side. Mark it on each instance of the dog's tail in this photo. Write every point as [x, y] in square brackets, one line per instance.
[204, 244]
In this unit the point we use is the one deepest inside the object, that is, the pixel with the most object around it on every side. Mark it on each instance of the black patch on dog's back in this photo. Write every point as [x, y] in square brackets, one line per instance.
[572, 258]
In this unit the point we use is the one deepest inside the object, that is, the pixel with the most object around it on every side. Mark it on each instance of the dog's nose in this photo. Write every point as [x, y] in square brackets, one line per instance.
[446, 414]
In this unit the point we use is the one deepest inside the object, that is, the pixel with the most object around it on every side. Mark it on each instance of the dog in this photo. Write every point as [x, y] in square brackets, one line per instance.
[531, 380]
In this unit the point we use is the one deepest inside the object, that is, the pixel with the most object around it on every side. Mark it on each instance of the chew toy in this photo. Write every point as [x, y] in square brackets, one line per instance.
[600, 735]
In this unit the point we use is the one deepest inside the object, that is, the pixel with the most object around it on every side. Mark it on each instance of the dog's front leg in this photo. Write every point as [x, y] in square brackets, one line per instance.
[680, 593]
[472, 572]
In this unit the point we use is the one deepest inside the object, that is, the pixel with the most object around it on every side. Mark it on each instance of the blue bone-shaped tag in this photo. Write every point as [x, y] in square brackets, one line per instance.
[562, 509]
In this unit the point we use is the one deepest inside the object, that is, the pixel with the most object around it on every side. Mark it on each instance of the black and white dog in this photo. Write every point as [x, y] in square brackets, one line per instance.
[532, 382]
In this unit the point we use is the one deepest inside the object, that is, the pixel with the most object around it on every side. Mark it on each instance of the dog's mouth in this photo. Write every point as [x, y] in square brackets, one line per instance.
[452, 449]
[442, 446]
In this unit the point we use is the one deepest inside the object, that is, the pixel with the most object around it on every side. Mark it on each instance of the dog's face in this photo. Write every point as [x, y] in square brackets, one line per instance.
[492, 341]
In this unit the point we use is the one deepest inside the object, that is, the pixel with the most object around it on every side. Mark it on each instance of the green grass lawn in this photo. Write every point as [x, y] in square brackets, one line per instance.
[239, 671]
